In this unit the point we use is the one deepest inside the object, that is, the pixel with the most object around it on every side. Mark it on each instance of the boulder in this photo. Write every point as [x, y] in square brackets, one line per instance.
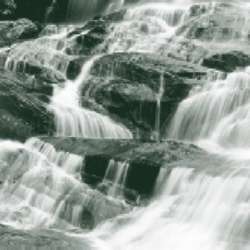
[38, 239]
[227, 61]
[23, 111]
[141, 90]
[7, 9]
[15, 31]
[87, 40]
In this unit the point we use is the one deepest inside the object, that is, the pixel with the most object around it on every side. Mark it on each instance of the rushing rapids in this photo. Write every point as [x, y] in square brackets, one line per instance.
[191, 207]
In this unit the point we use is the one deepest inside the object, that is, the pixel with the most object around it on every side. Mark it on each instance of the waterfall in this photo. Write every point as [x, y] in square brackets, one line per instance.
[218, 112]
[194, 205]
[191, 211]
[73, 120]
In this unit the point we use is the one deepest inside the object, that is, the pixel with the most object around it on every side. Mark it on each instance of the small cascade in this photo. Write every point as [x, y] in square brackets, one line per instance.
[146, 28]
[35, 190]
[47, 51]
[115, 177]
[73, 120]
[214, 110]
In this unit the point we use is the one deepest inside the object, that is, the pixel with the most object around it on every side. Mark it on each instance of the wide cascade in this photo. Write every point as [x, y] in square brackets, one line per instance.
[103, 194]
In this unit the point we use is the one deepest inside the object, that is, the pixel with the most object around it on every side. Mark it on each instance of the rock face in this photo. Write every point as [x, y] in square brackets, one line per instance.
[140, 89]
[22, 110]
[7, 9]
[12, 239]
[227, 62]
[14, 31]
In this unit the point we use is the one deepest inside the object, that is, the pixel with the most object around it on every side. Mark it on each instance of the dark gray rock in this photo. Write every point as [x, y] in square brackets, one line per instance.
[23, 111]
[14, 31]
[7, 9]
[227, 61]
[128, 86]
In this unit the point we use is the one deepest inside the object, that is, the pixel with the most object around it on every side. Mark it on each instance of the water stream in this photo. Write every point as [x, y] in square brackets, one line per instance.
[191, 208]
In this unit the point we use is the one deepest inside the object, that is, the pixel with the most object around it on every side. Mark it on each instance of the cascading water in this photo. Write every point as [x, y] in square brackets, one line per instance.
[219, 112]
[42, 183]
[73, 120]
[192, 208]
[146, 28]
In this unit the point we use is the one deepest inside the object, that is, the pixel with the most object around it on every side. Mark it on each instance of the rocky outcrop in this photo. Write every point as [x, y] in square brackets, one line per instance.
[140, 89]
[22, 110]
[12, 239]
[228, 61]
[15, 31]
[7, 9]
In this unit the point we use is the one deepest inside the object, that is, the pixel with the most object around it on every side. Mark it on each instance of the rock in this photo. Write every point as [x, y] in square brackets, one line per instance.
[7, 9]
[128, 86]
[38, 239]
[145, 159]
[228, 61]
[88, 39]
[14, 31]
[35, 11]
[23, 111]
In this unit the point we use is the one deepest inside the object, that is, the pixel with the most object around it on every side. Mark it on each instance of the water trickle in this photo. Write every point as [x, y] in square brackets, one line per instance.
[158, 107]
[73, 120]
[115, 177]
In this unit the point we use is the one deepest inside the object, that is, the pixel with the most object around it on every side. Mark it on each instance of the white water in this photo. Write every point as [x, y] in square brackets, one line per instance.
[192, 209]
[219, 112]
[37, 183]
[146, 28]
[73, 120]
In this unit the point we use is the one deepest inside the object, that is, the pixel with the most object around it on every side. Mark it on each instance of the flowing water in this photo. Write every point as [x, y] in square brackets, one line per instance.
[73, 120]
[191, 208]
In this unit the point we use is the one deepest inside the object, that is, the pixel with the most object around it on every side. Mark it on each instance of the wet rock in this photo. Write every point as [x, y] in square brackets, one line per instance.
[130, 86]
[88, 39]
[228, 61]
[14, 31]
[7, 9]
[145, 159]
[12, 239]
[23, 111]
